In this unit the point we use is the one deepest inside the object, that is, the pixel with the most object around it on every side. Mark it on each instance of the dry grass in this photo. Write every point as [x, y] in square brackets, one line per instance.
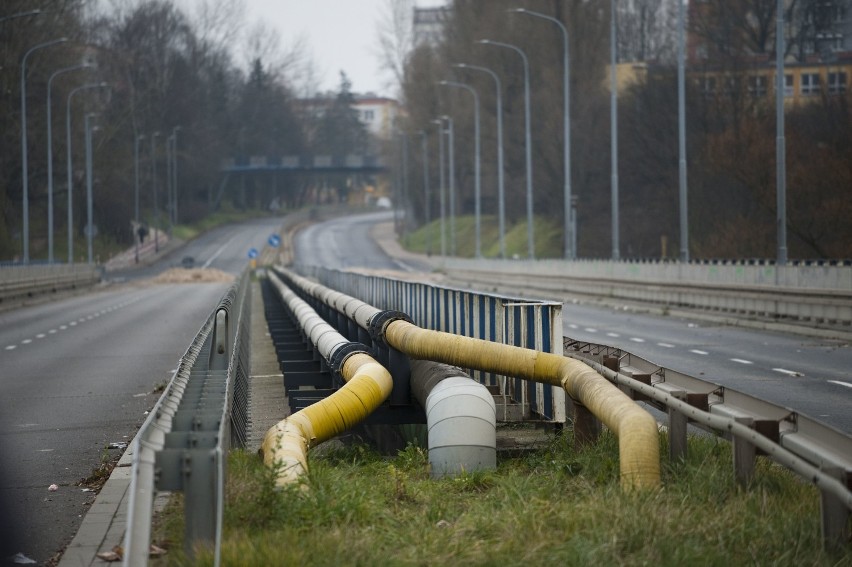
[553, 507]
[193, 275]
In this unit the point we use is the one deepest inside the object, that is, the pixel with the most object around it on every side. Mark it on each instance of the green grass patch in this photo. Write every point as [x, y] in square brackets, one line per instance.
[547, 237]
[555, 506]
[211, 221]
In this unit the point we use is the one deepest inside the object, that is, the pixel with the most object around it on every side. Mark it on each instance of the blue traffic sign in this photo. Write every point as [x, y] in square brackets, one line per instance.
[274, 240]
[252, 253]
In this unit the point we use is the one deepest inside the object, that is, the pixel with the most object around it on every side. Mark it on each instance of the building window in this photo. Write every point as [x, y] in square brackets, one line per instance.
[836, 83]
[788, 85]
[369, 116]
[757, 85]
[809, 84]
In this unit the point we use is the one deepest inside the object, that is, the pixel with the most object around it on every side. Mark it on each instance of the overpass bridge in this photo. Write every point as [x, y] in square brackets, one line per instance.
[290, 178]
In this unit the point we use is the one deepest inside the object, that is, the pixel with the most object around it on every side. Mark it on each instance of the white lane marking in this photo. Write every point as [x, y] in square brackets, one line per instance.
[11, 347]
[637, 340]
[81, 320]
[613, 335]
[26, 341]
[72, 324]
[590, 330]
[52, 332]
[40, 336]
[572, 326]
[218, 252]
[788, 372]
[89, 318]
[741, 361]
[839, 383]
[62, 327]
[701, 352]
[665, 345]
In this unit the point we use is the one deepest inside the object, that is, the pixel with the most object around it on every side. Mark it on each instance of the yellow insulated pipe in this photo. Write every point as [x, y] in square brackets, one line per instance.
[636, 429]
[285, 446]
[368, 384]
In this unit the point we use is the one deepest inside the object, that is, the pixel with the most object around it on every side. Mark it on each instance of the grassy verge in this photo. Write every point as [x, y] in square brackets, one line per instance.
[190, 231]
[554, 506]
[547, 238]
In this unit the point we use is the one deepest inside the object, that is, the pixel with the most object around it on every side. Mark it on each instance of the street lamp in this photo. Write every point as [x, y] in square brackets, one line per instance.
[476, 164]
[174, 139]
[69, 162]
[780, 142]
[136, 141]
[681, 120]
[501, 188]
[154, 190]
[424, 140]
[613, 97]
[443, 186]
[569, 252]
[90, 231]
[451, 155]
[24, 173]
[528, 137]
[50, 157]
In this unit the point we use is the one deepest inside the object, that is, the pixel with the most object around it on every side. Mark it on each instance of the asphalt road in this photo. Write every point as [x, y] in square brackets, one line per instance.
[811, 376]
[80, 373]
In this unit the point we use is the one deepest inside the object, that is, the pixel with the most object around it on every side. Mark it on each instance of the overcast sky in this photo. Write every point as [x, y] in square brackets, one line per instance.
[341, 35]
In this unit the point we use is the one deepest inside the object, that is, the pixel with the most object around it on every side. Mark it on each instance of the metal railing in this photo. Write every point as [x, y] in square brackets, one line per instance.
[816, 294]
[23, 282]
[815, 451]
[501, 319]
[183, 444]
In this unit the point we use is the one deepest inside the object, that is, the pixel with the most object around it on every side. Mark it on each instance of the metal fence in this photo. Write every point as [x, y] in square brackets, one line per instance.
[23, 282]
[184, 443]
[501, 319]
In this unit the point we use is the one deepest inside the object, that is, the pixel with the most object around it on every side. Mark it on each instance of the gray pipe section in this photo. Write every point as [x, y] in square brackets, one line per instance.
[461, 419]
[322, 335]
[461, 416]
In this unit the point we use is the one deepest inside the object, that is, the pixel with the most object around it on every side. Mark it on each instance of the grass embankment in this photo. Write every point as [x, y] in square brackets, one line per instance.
[211, 221]
[547, 238]
[552, 507]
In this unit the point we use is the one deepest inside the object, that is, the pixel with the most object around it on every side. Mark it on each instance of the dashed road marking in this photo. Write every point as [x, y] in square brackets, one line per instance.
[613, 335]
[741, 361]
[62, 327]
[637, 340]
[701, 352]
[572, 326]
[51, 332]
[590, 330]
[26, 341]
[11, 347]
[665, 345]
[40, 336]
[839, 383]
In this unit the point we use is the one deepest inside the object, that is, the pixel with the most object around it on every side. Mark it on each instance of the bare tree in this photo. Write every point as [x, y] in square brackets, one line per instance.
[395, 37]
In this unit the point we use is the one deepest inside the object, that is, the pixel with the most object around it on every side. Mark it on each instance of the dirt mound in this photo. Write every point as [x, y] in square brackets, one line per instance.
[193, 275]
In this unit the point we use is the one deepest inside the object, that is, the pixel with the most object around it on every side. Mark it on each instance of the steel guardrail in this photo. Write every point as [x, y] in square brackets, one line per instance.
[184, 442]
[815, 451]
[21, 282]
[813, 294]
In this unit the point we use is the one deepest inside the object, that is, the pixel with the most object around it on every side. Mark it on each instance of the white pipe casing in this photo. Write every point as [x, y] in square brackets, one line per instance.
[461, 419]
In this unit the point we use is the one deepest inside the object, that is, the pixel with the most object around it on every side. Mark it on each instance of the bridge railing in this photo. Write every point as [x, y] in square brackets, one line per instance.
[497, 318]
[22, 282]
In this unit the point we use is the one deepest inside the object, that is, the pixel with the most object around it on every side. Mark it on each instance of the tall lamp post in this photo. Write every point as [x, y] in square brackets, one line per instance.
[451, 158]
[50, 157]
[501, 187]
[24, 174]
[569, 251]
[136, 141]
[174, 138]
[90, 229]
[69, 163]
[154, 190]
[442, 183]
[780, 143]
[528, 143]
[424, 141]
[613, 97]
[477, 180]
[681, 119]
